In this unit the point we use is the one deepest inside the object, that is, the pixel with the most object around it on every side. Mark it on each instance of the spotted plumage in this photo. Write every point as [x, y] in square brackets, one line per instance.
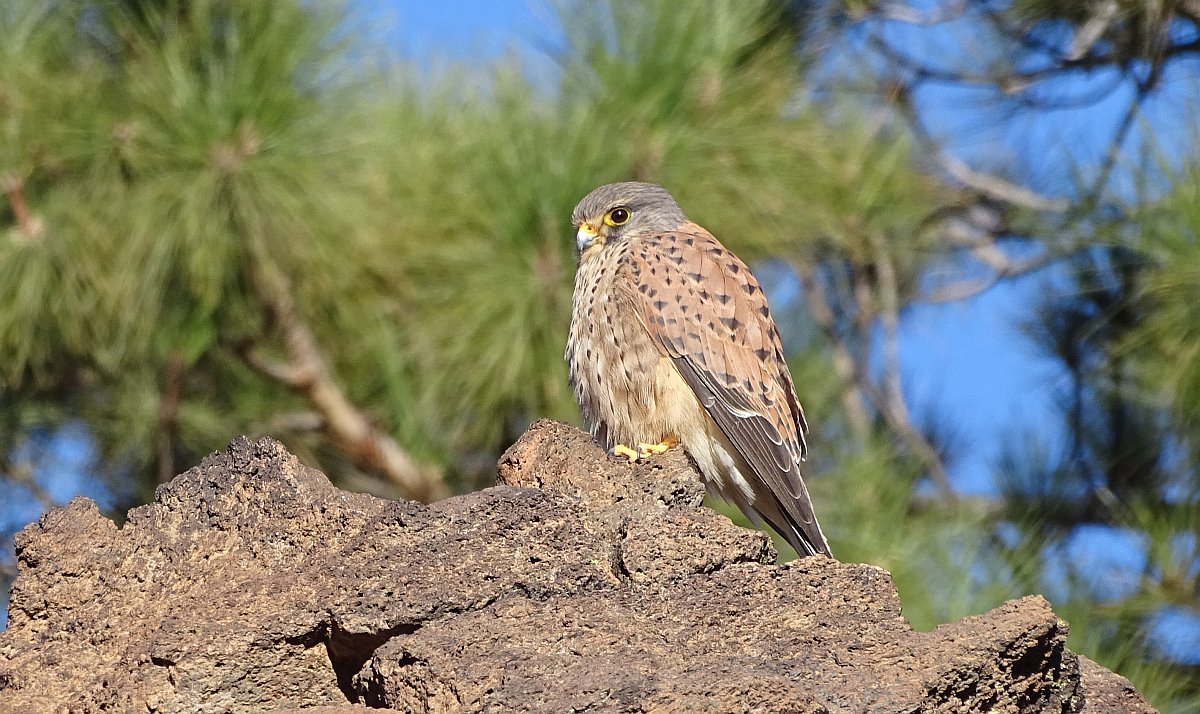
[672, 341]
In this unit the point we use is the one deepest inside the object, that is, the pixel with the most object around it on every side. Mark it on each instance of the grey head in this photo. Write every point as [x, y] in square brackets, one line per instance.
[614, 211]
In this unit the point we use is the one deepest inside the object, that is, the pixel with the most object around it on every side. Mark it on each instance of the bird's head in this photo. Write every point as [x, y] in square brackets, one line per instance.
[611, 213]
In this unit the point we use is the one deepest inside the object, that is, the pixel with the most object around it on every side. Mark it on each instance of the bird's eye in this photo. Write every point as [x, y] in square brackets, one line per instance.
[617, 216]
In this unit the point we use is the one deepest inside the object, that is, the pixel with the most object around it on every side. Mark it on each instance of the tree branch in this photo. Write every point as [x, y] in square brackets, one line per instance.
[1077, 56]
[993, 187]
[911, 16]
[966, 289]
[351, 429]
[858, 390]
[1091, 32]
[853, 401]
[980, 241]
[29, 225]
[893, 406]
[23, 472]
[296, 422]
[1114, 146]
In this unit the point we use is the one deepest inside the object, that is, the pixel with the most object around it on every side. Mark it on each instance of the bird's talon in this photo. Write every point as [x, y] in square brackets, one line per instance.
[661, 447]
[625, 451]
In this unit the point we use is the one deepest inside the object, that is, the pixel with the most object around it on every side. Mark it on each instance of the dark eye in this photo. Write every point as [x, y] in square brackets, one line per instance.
[617, 216]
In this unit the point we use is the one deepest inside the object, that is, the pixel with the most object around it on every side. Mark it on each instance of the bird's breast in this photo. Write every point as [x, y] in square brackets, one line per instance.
[614, 366]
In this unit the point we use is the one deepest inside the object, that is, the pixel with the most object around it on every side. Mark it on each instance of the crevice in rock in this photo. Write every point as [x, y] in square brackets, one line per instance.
[1041, 665]
[1042, 658]
[349, 651]
[619, 569]
[370, 692]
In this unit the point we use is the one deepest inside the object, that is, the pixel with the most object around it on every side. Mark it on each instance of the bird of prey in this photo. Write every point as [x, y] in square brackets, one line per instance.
[671, 343]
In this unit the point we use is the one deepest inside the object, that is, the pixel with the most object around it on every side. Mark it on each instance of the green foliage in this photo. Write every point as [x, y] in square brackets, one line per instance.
[202, 140]
[420, 223]
[161, 161]
[1167, 344]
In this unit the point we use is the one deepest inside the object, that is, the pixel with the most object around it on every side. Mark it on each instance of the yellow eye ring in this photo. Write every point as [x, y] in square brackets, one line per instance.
[617, 216]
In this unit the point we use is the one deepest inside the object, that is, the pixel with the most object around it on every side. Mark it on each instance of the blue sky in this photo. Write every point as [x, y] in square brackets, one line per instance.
[429, 32]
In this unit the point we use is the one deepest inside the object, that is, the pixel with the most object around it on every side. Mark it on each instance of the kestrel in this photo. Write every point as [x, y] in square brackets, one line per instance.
[671, 343]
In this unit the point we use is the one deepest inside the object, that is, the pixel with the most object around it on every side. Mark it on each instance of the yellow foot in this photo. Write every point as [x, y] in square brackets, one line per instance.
[644, 450]
[623, 450]
[660, 448]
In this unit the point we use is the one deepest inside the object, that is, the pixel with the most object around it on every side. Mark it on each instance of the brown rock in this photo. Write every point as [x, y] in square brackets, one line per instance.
[1108, 691]
[581, 583]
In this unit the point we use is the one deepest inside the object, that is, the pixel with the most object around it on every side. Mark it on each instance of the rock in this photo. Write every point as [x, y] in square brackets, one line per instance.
[1108, 691]
[580, 583]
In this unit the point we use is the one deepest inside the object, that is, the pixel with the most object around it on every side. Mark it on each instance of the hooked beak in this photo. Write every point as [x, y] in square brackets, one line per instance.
[584, 235]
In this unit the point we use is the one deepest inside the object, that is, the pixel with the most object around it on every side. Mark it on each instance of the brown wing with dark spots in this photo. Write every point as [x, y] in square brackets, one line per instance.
[707, 312]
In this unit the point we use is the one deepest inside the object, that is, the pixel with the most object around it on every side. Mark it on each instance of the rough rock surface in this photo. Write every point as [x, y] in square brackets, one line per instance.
[579, 584]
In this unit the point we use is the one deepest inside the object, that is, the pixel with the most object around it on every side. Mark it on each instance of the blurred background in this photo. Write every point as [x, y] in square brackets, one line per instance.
[346, 225]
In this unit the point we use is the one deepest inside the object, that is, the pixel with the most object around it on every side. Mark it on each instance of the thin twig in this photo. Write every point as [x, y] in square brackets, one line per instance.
[23, 472]
[853, 402]
[967, 289]
[981, 243]
[296, 422]
[168, 416]
[986, 184]
[1114, 147]
[29, 225]
[1092, 30]
[911, 16]
[858, 390]
[1058, 62]
[895, 409]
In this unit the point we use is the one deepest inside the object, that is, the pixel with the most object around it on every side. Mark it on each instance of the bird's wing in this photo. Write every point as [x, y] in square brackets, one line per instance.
[706, 311]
